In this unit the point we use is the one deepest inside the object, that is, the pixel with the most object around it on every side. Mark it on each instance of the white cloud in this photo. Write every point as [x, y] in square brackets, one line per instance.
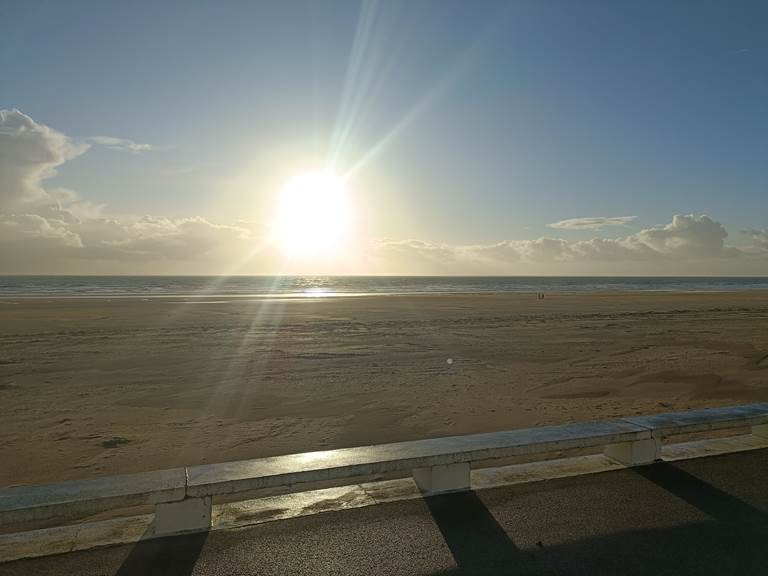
[47, 232]
[411, 256]
[120, 144]
[592, 223]
[160, 239]
[60, 241]
[29, 153]
[759, 239]
[685, 237]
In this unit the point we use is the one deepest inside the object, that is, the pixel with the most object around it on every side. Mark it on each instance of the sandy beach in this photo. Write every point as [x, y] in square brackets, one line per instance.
[91, 387]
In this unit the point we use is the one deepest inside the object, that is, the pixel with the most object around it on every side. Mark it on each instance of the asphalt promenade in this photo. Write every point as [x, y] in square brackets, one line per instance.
[701, 516]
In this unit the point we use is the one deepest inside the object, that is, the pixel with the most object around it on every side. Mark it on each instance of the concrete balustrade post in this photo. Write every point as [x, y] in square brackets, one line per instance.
[188, 515]
[444, 478]
[635, 453]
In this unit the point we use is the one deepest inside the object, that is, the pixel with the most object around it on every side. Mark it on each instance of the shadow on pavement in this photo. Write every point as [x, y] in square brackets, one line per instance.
[174, 556]
[733, 541]
[478, 543]
[718, 504]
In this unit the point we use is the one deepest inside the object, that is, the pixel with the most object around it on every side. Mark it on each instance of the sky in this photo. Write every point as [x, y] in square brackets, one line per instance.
[521, 137]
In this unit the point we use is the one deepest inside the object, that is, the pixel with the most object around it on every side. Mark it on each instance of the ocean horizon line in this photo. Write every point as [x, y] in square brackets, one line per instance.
[319, 286]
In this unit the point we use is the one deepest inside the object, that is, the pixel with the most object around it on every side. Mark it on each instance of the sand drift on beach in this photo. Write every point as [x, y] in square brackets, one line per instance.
[91, 387]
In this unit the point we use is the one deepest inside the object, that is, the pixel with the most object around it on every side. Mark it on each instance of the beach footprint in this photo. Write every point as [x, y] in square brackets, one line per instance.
[758, 361]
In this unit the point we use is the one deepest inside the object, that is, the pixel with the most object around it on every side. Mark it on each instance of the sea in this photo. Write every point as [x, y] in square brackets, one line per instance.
[330, 286]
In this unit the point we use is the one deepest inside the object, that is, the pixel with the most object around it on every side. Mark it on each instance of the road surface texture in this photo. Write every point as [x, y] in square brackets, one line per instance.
[703, 516]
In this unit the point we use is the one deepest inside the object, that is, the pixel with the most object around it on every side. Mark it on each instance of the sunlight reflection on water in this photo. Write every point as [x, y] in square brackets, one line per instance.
[317, 292]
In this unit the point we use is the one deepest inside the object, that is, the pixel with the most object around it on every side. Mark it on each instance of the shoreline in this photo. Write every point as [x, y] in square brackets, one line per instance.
[294, 296]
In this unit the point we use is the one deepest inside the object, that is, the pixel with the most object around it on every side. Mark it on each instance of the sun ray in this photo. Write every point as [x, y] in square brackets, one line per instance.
[356, 81]
[447, 80]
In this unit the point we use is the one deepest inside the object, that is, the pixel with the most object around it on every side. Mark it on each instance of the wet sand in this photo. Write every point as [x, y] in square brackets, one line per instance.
[90, 387]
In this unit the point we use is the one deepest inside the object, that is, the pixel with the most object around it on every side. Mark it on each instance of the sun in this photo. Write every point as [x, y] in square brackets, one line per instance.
[313, 215]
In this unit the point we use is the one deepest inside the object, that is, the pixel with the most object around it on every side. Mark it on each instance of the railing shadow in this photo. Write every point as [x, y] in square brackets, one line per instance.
[478, 543]
[720, 505]
[733, 543]
[173, 556]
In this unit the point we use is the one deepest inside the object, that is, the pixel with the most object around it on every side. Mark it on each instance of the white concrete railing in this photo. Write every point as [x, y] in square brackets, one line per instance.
[182, 496]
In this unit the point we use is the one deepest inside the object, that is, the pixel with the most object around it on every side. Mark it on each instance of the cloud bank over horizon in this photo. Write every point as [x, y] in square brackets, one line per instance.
[689, 244]
[49, 230]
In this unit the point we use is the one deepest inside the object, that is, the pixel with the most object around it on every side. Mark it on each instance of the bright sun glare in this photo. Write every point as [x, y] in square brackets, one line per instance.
[314, 215]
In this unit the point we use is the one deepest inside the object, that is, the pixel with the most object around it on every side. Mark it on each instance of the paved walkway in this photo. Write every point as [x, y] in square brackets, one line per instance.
[703, 516]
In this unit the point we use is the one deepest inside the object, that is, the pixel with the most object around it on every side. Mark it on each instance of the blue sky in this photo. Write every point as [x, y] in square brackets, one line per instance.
[503, 117]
